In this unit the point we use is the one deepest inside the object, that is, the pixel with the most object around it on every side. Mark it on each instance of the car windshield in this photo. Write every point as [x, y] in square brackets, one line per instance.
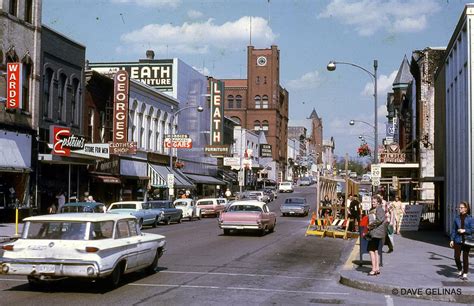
[159, 205]
[294, 201]
[205, 203]
[245, 208]
[65, 230]
[180, 203]
[286, 184]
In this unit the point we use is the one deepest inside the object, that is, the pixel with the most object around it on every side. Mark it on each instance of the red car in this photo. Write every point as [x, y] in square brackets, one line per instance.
[247, 215]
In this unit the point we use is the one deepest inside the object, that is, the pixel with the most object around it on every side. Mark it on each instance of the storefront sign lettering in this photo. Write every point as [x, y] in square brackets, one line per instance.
[60, 133]
[265, 150]
[217, 112]
[14, 85]
[123, 148]
[121, 87]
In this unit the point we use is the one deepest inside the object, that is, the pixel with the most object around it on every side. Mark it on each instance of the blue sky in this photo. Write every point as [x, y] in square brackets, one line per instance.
[212, 35]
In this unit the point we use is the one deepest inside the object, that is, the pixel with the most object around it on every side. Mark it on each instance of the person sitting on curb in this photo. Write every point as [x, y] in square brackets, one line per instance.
[462, 231]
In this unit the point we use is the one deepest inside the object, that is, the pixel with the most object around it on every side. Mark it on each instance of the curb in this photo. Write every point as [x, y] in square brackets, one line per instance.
[395, 290]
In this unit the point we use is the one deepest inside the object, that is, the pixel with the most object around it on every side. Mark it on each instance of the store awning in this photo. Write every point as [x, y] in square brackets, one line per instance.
[205, 179]
[15, 152]
[134, 168]
[159, 175]
[106, 179]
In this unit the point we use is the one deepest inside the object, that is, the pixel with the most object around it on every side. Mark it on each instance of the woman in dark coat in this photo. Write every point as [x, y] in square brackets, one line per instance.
[462, 231]
[377, 231]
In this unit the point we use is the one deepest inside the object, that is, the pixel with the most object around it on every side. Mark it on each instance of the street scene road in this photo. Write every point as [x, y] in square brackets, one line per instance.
[201, 266]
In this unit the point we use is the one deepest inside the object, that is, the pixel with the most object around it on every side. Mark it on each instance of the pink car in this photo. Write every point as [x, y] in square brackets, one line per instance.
[211, 206]
[248, 215]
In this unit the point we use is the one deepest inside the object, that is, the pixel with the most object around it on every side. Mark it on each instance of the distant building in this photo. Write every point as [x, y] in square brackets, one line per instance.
[315, 146]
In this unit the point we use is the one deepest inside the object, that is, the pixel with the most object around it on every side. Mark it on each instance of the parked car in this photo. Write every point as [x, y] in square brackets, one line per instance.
[210, 206]
[294, 206]
[79, 207]
[247, 215]
[171, 213]
[305, 181]
[93, 246]
[188, 207]
[285, 187]
[138, 209]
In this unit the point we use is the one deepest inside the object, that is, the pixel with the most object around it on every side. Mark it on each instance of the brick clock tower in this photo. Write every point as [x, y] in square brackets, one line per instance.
[260, 103]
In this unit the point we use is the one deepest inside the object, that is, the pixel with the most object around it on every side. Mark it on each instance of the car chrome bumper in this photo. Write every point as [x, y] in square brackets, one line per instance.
[241, 226]
[50, 267]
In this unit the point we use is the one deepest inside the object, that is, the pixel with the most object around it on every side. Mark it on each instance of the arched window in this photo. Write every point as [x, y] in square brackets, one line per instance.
[230, 101]
[258, 102]
[257, 126]
[238, 101]
[25, 90]
[149, 129]
[47, 89]
[265, 101]
[141, 126]
[132, 121]
[265, 126]
[237, 119]
[29, 11]
[61, 98]
[75, 101]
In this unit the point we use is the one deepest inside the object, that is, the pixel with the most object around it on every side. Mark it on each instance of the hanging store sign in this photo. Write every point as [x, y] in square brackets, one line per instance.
[158, 74]
[123, 148]
[180, 141]
[217, 112]
[232, 161]
[218, 150]
[121, 88]
[63, 141]
[392, 154]
[95, 149]
[14, 85]
[265, 150]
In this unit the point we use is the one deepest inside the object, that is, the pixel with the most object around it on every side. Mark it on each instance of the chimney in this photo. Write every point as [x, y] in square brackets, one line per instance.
[150, 54]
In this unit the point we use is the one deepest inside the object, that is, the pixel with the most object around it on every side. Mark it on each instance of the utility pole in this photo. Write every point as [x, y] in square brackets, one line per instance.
[347, 186]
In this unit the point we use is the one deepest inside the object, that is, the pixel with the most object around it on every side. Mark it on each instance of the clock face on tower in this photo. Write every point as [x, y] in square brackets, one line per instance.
[261, 61]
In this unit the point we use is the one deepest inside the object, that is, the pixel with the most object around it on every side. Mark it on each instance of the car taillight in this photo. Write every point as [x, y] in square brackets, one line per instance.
[8, 247]
[92, 249]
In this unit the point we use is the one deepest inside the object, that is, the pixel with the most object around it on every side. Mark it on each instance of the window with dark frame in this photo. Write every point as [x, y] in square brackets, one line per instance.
[29, 11]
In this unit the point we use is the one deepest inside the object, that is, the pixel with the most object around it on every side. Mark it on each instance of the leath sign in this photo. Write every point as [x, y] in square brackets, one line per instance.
[121, 87]
[14, 85]
[219, 150]
[217, 112]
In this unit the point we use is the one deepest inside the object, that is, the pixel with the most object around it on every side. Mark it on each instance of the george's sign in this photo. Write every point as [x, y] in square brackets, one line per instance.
[14, 85]
[121, 88]
[217, 112]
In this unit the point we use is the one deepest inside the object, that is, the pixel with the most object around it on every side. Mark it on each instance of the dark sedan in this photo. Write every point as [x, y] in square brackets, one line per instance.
[295, 206]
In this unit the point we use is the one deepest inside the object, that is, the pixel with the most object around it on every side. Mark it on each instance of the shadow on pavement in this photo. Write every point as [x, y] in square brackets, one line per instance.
[432, 237]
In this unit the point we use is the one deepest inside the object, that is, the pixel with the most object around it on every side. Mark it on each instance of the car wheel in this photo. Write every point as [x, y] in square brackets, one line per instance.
[271, 230]
[113, 280]
[155, 223]
[168, 221]
[180, 217]
[262, 232]
[140, 223]
[151, 269]
[226, 231]
[34, 282]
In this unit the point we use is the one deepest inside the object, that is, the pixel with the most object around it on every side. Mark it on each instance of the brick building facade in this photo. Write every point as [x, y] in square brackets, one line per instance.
[260, 102]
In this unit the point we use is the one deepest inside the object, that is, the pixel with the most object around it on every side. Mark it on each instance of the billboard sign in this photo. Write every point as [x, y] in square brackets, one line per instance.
[121, 88]
[14, 85]
[217, 112]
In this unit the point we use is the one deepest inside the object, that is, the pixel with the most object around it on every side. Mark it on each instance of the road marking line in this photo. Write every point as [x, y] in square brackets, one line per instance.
[389, 300]
[241, 288]
[242, 274]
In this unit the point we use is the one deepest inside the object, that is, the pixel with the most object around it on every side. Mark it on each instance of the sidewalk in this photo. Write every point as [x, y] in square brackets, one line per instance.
[421, 266]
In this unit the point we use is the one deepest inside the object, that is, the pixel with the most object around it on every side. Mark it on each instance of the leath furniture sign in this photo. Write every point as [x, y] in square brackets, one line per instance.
[121, 87]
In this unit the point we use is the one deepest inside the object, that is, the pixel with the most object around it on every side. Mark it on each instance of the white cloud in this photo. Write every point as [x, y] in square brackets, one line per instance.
[306, 81]
[150, 3]
[204, 70]
[384, 85]
[370, 16]
[193, 14]
[198, 37]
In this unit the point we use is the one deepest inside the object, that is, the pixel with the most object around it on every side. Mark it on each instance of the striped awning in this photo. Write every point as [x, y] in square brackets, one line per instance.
[159, 174]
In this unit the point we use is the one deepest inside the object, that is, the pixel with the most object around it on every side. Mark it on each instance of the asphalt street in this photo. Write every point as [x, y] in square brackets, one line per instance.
[203, 267]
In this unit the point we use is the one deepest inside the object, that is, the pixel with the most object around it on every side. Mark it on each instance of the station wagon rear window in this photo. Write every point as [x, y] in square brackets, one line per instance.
[64, 230]
[206, 203]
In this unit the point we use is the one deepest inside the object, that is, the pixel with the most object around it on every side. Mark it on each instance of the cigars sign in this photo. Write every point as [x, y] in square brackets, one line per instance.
[121, 87]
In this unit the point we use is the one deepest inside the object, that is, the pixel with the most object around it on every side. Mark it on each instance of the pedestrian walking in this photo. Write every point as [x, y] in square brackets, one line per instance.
[398, 212]
[61, 200]
[354, 213]
[377, 231]
[460, 233]
[390, 220]
[228, 193]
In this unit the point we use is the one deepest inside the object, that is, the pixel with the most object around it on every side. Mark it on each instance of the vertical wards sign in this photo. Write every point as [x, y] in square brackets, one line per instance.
[14, 85]
[121, 87]
[217, 112]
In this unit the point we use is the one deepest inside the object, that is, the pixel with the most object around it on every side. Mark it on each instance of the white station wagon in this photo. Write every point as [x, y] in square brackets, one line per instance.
[94, 246]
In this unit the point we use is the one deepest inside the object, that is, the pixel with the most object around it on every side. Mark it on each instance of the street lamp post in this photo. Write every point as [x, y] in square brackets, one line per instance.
[332, 66]
[173, 115]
